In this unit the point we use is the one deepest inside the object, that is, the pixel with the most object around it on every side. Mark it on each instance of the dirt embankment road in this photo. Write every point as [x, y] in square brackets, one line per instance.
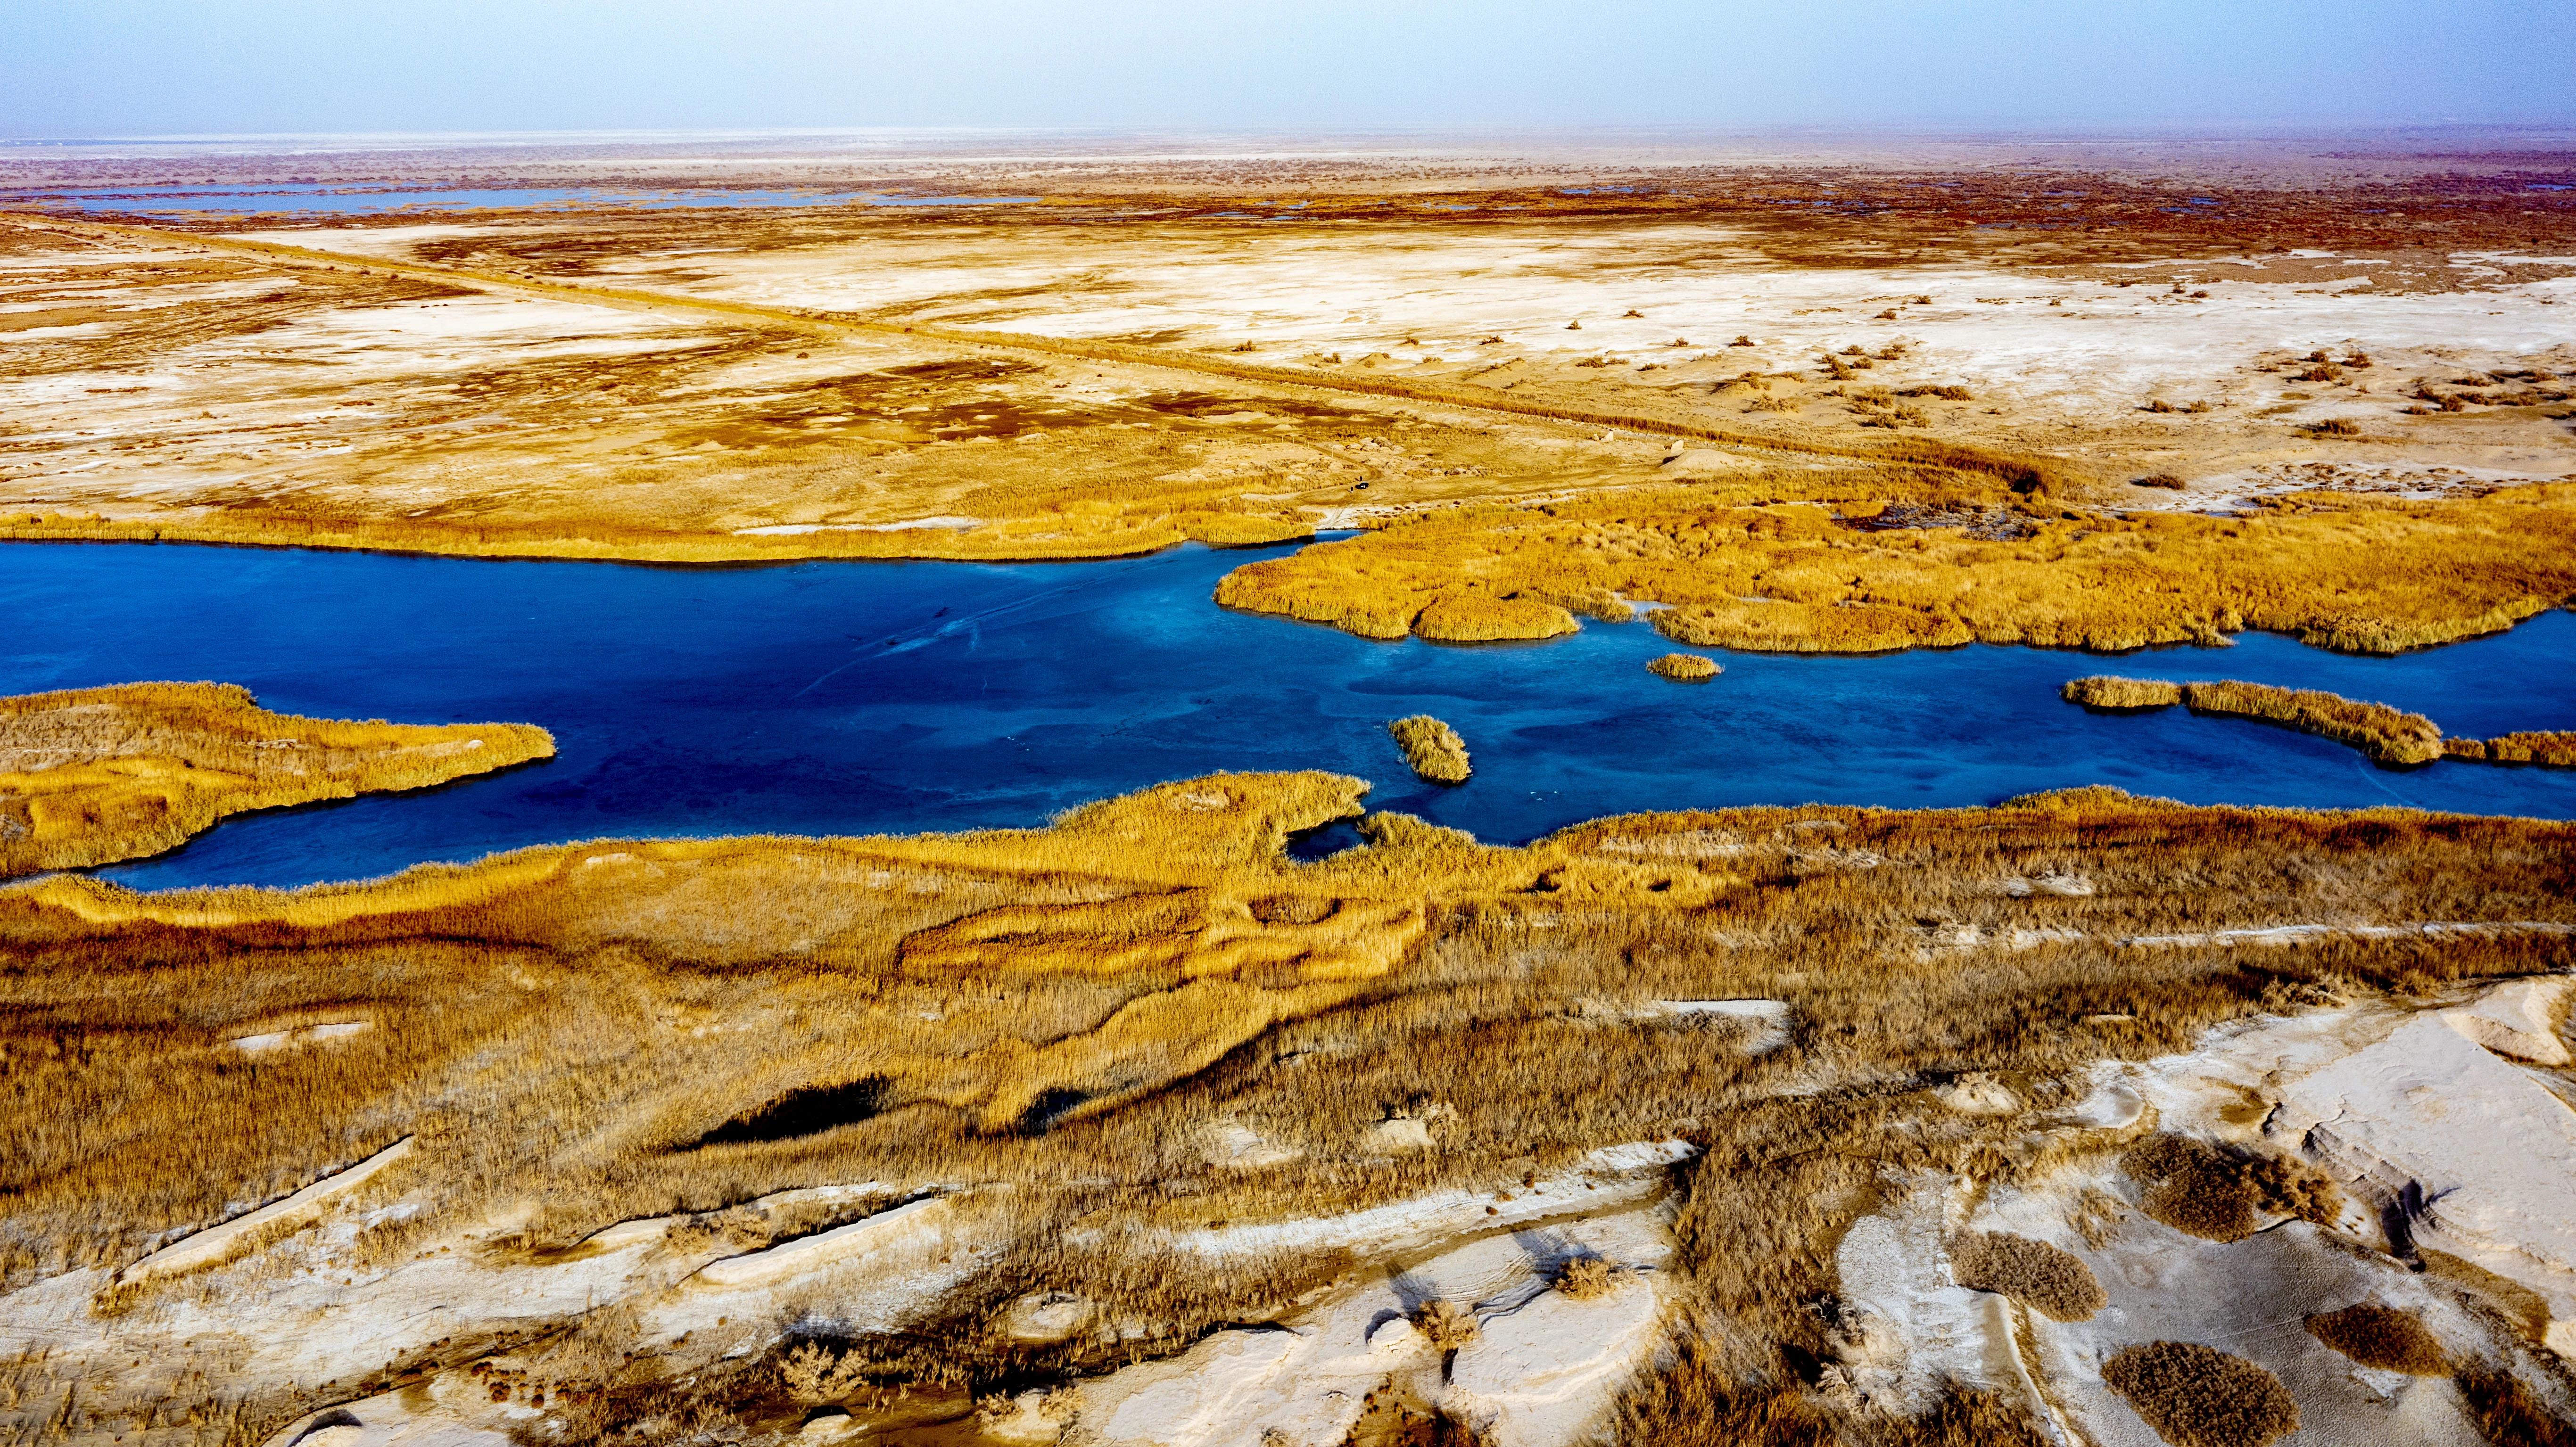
[2020, 471]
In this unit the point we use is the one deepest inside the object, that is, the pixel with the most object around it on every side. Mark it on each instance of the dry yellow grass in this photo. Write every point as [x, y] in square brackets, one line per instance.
[2553, 750]
[2123, 694]
[1104, 529]
[92, 775]
[1751, 566]
[1685, 668]
[2388, 735]
[1061, 1012]
[814, 460]
[1432, 748]
[1586, 1277]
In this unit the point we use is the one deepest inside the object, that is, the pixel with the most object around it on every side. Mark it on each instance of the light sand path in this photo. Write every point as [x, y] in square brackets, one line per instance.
[1485, 399]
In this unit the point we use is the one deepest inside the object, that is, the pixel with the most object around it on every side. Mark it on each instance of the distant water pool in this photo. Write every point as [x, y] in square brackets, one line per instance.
[851, 698]
[313, 198]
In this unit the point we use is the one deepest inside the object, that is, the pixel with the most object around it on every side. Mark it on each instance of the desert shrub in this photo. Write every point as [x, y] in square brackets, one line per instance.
[2159, 479]
[2054, 1282]
[1448, 1325]
[2199, 1189]
[1773, 404]
[2285, 1186]
[1945, 393]
[2335, 427]
[1433, 748]
[2382, 1337]
[2197, 1396]
[1586, 1277]
[814, 1374]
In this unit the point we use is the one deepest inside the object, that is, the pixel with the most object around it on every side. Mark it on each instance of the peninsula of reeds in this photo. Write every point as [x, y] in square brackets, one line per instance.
[89, 776]
[2391, 737]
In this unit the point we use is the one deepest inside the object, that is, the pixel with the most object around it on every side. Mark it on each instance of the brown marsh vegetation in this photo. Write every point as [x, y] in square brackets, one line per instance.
[2381, 1337]
[2223, 1195]
[2034, 1273]
[92, 775]
[568, 1032]
[1042, 1026]
[2197, 1396]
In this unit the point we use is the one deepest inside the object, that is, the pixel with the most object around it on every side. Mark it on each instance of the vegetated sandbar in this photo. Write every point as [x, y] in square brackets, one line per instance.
[89, 776]
[2390, 736]
[1068, 1033]
[1432, 748]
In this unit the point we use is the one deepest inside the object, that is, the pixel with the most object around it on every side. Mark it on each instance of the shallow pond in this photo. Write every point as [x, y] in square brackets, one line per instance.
[314, 198]
[850, 698]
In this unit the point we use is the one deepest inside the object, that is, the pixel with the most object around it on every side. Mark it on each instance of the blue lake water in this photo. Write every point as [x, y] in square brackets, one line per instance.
[311, 198]
[894, 697]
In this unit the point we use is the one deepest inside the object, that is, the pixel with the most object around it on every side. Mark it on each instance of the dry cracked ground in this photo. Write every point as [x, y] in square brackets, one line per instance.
[2082, 1119]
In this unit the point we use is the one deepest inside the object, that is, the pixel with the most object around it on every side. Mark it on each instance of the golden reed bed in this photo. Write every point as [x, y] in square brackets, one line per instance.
[1433, 748]
[93, 775]
[1064, 1011]
[1752, 565]
[2390, 736]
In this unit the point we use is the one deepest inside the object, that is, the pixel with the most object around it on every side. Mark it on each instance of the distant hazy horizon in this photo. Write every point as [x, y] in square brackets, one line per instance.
[295, 68]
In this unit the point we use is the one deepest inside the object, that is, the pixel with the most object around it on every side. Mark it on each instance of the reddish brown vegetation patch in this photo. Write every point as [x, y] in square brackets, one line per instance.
[2197, 1396]
[2382, 1337]
[2054, 1282]
[2197, 1188]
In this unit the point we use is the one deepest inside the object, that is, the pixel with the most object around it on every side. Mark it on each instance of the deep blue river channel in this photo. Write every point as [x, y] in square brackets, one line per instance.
[861, 698]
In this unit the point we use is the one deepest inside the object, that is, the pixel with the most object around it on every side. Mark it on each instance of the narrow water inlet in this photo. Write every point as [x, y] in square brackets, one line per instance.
[873, 697]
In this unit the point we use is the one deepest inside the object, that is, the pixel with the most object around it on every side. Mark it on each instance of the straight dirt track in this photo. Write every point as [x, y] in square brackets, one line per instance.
[2023, 473]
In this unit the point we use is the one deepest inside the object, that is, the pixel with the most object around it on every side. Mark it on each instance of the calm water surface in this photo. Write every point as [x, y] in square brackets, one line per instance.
[874, 697]
[313, 198]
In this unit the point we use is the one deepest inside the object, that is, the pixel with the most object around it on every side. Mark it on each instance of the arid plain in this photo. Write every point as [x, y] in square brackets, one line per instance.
[2078, 1118]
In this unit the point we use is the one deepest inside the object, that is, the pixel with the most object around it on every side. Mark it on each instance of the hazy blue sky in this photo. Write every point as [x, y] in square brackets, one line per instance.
[125, 67]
